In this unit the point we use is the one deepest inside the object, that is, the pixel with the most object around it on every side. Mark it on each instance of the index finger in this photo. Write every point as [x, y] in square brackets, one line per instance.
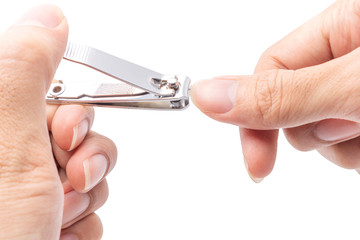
[317, 41]
[69, 124]
[328, 35]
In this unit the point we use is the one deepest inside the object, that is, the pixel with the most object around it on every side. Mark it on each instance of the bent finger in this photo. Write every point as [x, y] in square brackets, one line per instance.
[94, 145]
[79, 205]
[259, 149]
[89, 228]
[322, 134]
[90, 162]
[69, 124]
[319, 40]
[345, 154]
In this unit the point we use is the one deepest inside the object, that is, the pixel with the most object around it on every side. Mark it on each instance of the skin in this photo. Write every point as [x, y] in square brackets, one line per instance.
[44, 184]
[308, 96]
[306, 84]
[71, 170]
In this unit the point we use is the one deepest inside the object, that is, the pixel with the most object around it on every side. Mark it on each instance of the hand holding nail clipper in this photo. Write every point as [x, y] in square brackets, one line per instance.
[52, 167]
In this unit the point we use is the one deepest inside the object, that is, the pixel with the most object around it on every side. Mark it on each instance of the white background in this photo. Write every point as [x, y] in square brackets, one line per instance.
[180, 175]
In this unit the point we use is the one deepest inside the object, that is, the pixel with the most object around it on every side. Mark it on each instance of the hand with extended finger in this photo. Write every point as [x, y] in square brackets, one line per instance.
[307, 83]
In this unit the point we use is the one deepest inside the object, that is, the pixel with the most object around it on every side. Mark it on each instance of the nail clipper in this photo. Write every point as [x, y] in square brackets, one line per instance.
[143, 87]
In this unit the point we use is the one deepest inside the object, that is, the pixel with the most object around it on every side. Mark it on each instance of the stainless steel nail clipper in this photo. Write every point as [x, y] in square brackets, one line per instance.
[143, 88]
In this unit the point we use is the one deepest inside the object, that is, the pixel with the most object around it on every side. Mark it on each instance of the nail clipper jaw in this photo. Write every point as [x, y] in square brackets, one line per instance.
[122, 95]
[168, 85]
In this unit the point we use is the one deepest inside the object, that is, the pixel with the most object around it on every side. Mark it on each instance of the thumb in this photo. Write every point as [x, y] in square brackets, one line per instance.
[283, 98]
[30, 52]
[31, 197]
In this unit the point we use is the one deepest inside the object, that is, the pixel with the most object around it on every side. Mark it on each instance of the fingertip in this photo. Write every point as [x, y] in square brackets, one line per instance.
[76, 174]
[259, 150]
[75, 204]
[228, 77]
[71, 124]
[79, 132]
[214, 96]
[95, 168]
[255, 179]
[194, 92]
[85, 173]
[45, 15]
[91, 162]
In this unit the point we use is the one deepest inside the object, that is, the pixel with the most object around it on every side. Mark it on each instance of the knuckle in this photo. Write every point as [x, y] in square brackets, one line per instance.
[297, 138]
[269, 96]
[303, 137]
[101, 140]
[270, 60]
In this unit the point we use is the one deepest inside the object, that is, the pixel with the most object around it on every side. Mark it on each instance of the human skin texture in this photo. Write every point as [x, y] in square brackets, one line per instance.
[306, 84]
[52, 166]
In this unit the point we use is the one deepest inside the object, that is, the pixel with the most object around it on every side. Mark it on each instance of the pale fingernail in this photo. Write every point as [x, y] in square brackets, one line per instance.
[74, 204]
[46, 16]
[255, 179]
[69, 236]
[227, 77]
[94, 170]
[79, 133]
[216, 96]
[334, 130]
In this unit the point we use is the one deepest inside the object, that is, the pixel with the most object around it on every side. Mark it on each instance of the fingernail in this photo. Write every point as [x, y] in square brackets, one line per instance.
[69, 236]
[216, 96]
[46, 16]
[94, 170]
[334, 130]
[75, 204]
[255, 179]
[227, 77]
[79, 132]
